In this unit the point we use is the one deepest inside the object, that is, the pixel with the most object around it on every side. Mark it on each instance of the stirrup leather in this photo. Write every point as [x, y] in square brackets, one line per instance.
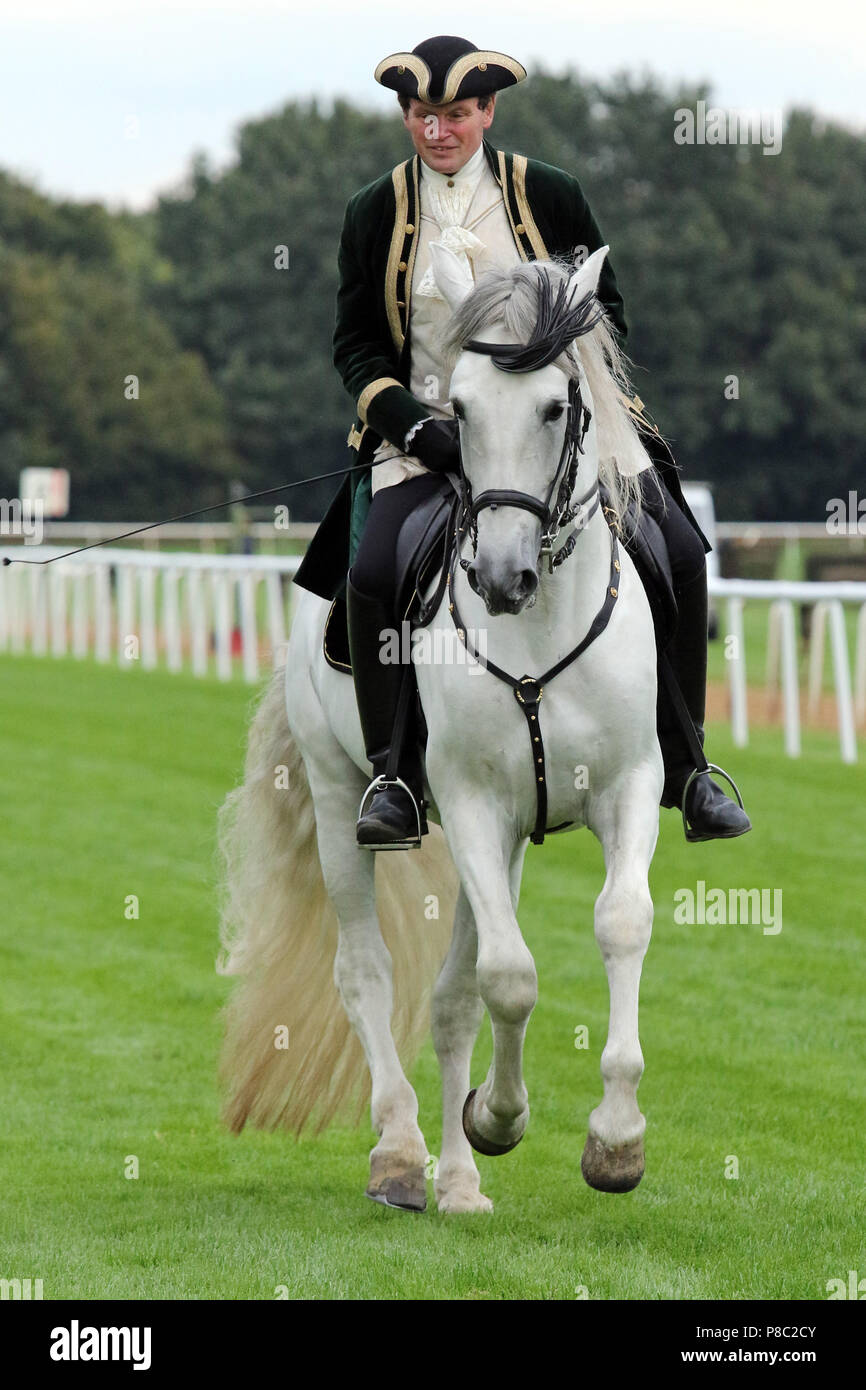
[377, 784]
[701, 772]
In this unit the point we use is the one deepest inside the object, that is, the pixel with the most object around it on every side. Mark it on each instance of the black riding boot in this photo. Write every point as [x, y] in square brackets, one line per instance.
[390, 817]
[711, 814]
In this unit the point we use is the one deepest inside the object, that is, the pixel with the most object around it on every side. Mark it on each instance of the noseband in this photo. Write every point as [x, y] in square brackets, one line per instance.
[552, 514]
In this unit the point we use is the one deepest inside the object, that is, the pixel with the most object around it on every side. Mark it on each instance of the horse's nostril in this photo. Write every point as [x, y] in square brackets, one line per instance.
[528, 582]
[471, 576]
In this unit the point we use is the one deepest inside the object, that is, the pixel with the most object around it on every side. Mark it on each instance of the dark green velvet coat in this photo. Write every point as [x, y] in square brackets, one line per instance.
[548, 214]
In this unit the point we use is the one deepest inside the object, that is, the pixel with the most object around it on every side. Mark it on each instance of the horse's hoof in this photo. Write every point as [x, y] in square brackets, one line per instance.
[464, 1203]
[612, 1170]
[393, 1184]
[478, 1142]
[403, 1195]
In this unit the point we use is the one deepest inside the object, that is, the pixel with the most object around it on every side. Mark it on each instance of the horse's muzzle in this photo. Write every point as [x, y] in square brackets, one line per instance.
[510, 594]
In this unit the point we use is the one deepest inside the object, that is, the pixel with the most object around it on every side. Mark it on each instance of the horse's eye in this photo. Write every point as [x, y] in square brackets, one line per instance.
[554, 412]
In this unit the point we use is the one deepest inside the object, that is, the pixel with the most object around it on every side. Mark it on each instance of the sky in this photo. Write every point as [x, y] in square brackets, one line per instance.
[110, 99]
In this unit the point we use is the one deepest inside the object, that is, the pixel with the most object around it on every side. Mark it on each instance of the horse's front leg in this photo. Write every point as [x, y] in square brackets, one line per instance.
[625, 818]
[496, 1114]
[457, 1012]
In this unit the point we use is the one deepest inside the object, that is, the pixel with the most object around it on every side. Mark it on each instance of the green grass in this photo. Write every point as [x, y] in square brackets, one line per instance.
[755, 1045]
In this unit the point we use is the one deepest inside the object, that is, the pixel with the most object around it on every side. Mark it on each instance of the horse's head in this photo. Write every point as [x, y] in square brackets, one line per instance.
[527, 431]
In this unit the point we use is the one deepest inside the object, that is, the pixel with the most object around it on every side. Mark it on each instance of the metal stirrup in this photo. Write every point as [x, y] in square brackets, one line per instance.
[701, 772]
[379, 784]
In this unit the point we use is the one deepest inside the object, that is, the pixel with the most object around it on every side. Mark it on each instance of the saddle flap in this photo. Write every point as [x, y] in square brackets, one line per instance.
[422, 537]
[420, 547]
[646, 546]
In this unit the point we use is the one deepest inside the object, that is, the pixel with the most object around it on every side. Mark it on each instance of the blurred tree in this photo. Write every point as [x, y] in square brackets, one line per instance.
[733, 264]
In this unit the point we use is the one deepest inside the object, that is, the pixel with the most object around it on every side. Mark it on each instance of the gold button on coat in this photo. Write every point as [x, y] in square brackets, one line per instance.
[520, 229]
[402, 266]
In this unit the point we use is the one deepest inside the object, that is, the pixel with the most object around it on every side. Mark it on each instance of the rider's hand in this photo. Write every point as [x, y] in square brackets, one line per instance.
[436, 443]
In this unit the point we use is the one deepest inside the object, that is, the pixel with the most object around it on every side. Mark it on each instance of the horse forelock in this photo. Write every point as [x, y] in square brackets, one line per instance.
[529, 302]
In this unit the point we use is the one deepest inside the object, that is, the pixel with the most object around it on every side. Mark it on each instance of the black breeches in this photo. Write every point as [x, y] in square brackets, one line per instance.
[684, 545]
[374, 570]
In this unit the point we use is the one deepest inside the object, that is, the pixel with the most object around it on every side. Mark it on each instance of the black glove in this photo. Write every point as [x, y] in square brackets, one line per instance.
[437, 444]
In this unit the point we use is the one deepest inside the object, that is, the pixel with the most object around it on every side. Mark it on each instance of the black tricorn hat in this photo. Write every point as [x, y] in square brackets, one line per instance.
[445, 69]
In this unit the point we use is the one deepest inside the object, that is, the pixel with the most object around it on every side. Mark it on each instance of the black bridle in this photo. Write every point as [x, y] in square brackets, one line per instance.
[557, 325]
[557, 508]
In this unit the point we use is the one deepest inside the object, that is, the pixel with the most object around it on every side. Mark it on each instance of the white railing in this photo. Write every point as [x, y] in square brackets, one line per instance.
[827, 601]
[138, 603]
[141, 605]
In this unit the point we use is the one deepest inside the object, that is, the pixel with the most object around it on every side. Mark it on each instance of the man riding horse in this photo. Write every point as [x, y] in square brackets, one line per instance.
[492, 209]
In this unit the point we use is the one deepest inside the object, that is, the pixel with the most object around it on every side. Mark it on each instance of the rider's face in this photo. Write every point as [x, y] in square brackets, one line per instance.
[447, 136]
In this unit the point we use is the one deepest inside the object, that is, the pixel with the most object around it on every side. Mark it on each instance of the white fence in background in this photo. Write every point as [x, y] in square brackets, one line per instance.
[827, 601]
[139, 605]
[202, 610]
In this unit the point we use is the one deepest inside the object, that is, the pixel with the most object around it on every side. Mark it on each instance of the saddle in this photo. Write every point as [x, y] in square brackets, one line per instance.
[421, 546]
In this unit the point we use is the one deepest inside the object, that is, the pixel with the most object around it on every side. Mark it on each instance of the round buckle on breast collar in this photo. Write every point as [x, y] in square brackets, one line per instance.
[528, 697]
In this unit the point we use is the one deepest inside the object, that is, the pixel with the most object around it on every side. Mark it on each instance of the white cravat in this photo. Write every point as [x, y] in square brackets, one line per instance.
[447, 198]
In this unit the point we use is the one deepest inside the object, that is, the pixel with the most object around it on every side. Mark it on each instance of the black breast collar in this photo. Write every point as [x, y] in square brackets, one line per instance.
[556, 328]
[528, 690]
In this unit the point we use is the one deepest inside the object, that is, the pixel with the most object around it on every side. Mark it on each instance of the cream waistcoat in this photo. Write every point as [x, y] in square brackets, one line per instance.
[468, 216]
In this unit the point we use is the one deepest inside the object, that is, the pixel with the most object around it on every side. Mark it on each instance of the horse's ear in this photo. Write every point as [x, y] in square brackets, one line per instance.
[585, 279]
[453, 278]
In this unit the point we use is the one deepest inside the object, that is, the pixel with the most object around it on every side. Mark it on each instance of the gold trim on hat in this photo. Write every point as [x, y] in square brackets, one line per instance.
[464, 65]
[416, 65]
[455, 74]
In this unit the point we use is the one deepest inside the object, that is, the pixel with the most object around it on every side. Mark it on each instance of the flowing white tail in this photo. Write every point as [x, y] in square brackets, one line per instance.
[279, 935]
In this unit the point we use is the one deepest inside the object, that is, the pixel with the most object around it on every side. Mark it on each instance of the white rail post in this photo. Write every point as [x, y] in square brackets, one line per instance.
[5, 609]
[222, 586]
[38, 623]
[171, 620]
[57, 597]
[125, 612]
[80, 575]
[15, 579]
[773, 650]
[197, 610]
[249, 631]
[147, 601]
[102, 611]
[790, 683]
[737, 674]
[860, 679]
[816, 656]
[842, 679]
[276, 619]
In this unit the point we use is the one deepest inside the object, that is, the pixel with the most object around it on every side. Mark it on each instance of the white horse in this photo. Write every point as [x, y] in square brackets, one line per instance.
[296, 879]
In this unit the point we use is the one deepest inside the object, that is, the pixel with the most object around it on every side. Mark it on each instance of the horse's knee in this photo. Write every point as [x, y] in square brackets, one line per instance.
[508, 983]
[624, 918]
